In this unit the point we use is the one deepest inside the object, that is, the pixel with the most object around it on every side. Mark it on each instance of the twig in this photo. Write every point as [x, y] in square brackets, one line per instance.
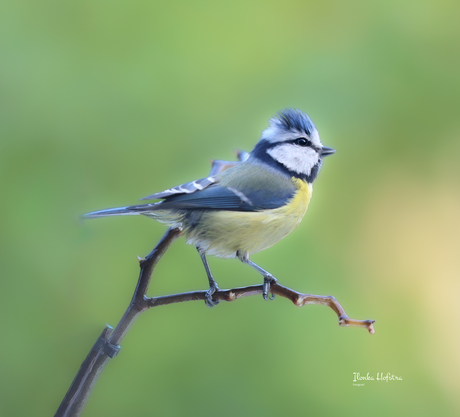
[107, 345]
[297, 298]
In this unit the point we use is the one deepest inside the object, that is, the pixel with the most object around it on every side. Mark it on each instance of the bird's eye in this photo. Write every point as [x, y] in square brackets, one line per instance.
[303, 142]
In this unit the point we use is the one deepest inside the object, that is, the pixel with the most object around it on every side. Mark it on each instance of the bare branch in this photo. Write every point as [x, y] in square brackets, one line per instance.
[107, 345]
[297, 298]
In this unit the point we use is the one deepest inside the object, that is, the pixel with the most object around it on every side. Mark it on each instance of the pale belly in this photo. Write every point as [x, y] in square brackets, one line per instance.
[223, 233]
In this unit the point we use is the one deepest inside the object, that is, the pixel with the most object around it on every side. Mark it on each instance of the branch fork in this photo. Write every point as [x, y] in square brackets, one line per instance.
[107, 345]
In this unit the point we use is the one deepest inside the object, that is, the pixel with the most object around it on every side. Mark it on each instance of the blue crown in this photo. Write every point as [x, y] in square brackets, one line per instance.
[294, 119]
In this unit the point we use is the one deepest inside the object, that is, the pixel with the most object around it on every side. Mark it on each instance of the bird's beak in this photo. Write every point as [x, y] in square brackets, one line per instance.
[325, 151]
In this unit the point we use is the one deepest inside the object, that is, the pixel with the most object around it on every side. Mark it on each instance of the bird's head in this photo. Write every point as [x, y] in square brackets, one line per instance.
[291, 143]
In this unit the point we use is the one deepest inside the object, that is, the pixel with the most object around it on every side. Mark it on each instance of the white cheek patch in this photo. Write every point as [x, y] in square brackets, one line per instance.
[295, 158]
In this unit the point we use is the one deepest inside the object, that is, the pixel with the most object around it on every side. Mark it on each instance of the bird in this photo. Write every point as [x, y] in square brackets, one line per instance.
[248, 207]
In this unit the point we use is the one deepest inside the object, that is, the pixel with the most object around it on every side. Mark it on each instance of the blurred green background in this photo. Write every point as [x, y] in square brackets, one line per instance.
[104, 102]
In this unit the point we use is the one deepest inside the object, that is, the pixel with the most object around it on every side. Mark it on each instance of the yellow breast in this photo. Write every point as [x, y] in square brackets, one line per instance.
[225, 232]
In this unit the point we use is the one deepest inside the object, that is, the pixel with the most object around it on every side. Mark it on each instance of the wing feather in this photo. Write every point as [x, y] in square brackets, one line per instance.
[232, 190]
[217, 197]
[187, 188]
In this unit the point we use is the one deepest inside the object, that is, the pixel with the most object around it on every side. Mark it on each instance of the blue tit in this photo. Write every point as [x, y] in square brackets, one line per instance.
[250, 206]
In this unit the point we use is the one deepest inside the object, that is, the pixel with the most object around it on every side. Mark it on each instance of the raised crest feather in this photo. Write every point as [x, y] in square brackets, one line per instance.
[293, 119]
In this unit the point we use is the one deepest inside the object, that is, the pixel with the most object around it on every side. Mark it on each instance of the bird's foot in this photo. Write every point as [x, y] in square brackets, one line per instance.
[268, 281]
[210, 302]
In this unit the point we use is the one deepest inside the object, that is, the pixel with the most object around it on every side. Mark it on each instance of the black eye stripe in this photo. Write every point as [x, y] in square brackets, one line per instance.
[264, 145]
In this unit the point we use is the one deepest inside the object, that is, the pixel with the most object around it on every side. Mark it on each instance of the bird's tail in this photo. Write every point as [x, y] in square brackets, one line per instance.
[117, 211]
[152, 210]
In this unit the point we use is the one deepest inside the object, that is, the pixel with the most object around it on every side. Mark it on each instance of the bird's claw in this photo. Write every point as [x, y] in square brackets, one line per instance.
[268, 280]
[210, 302]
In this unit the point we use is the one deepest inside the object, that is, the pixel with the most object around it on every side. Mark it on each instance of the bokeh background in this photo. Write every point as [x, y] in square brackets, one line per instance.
[104, 102]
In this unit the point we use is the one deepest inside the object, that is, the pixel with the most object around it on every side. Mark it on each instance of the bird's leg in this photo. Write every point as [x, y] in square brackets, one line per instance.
[212, 283]
[268, 278]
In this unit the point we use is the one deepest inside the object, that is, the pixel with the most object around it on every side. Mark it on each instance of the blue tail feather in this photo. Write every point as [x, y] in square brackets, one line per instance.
[117, 211]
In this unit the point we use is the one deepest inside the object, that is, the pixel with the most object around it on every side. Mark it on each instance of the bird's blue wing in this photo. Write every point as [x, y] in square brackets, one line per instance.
[218, 197]
[243, 187]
